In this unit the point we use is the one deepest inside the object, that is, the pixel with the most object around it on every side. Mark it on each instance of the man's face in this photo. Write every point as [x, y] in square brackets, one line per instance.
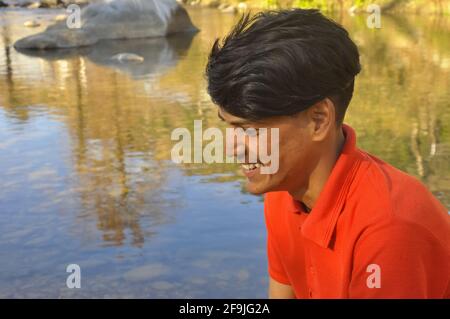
[296, 154]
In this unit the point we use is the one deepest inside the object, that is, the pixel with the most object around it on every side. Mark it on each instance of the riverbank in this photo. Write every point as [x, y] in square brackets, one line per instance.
[437, 7]
[353, 6]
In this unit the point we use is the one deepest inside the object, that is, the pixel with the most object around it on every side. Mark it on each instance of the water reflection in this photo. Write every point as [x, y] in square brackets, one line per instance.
[401, 108]
[85, 158]
[119, 182]
[159, 54]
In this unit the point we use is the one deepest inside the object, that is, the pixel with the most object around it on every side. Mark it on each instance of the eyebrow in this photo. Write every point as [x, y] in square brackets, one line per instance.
[237, 122]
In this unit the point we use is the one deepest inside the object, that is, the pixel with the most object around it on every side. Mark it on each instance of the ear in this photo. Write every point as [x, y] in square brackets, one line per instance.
[322, 116]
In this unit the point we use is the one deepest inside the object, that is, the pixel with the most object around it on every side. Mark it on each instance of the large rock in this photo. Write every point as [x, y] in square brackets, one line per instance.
[116, 19]
[18, 3]
[79, 2]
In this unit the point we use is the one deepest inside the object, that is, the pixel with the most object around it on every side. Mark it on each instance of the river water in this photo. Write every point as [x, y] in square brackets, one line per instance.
[85, 169]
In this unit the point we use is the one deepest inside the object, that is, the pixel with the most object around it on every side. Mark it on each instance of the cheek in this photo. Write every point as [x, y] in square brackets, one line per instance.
[293, 155]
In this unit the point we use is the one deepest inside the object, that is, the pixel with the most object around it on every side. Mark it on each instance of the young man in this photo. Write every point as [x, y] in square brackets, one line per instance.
[341, 223]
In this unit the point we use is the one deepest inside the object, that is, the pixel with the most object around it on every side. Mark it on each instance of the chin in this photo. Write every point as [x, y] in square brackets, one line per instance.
[258, 184]
[256, 188]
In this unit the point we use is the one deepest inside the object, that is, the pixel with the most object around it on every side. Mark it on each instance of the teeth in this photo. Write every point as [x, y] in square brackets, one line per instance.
[249, 167]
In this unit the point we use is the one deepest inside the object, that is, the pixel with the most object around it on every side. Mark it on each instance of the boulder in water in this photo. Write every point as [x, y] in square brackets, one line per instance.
[116, 19]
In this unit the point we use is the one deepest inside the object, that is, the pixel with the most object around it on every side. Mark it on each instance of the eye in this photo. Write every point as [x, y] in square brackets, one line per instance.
[251, 132]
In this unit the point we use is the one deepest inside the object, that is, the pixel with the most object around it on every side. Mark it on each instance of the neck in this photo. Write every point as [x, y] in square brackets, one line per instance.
[321, 172]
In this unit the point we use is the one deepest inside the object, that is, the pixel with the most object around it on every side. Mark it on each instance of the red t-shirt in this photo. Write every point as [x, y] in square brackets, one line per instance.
[374, 232]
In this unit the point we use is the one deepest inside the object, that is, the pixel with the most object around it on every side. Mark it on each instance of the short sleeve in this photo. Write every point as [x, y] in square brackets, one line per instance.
[275, 265]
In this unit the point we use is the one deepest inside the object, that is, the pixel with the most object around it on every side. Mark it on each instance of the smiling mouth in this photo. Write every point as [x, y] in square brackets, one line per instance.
[251, 166]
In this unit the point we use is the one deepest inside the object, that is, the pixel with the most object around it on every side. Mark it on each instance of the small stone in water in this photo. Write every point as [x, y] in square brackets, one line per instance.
[31, 24]
[127, 57]
[60, 17]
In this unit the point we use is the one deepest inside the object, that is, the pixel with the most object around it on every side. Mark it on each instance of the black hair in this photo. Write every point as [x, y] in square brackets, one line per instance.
[281, 62]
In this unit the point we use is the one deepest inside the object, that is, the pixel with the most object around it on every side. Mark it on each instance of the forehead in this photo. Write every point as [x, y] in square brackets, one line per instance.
[235, 120]
[224, 115]
[267, 122]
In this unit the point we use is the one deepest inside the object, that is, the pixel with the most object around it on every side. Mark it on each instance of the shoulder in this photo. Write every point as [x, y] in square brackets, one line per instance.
[395, 204]
[400, 235]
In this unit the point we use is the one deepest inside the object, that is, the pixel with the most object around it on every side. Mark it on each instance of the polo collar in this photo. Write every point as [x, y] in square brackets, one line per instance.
[321, 221]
